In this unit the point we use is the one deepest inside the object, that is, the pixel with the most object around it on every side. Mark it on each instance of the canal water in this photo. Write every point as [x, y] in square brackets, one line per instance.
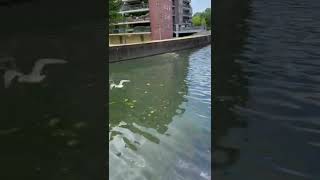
[53, 129]
[160, 121]
[266, 121]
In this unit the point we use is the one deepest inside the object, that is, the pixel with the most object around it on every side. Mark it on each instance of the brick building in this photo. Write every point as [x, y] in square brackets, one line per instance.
[145, 20]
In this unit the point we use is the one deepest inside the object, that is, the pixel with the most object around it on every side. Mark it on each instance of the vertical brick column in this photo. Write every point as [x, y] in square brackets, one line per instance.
[161, 19]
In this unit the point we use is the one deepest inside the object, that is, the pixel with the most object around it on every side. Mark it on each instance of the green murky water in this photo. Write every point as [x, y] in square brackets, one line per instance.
[160, 122]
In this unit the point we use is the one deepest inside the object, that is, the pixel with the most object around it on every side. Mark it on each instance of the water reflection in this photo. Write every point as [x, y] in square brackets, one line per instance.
[151, 98]
[160, 122]
[49, 128]
[266, 111]
[230, 83]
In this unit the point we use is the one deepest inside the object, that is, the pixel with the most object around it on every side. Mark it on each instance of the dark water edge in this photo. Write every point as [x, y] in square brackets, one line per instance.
[266, 90]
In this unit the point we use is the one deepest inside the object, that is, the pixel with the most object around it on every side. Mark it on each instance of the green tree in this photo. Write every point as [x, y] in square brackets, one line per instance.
[207, 17]
[201, 18]
[196, 20]
[114, 7]
[203, 22]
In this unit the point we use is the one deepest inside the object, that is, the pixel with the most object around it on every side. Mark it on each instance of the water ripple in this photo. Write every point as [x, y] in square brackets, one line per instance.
[278, 66]
[152, 117]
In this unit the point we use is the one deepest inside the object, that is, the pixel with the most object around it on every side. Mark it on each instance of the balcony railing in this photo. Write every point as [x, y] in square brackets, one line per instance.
[187, 13]
[192, 28]
[134, 7]
[188, 21]
[136, 29]
[136, 18]
[189, 28]
[129, 0]
[133, 20]
[187, 6]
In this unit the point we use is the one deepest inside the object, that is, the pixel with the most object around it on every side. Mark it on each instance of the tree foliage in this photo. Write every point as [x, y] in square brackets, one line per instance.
[201, 18]
[207, 16]
[114, 7]
[203, 22]
[196, 20]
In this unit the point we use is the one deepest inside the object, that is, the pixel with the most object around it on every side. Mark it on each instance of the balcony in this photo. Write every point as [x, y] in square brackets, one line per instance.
[187, 13]
[130, 0]
[134, 20]
[182, 29]
[186, 20]
[191, 28]
[134, 8]
[186, 6]
[135, 30]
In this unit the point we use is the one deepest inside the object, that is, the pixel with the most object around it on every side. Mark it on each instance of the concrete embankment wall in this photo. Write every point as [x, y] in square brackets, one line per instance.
[132, 51]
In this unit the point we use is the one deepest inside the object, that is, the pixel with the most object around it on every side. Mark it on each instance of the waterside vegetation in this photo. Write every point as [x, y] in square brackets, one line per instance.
[202, 18]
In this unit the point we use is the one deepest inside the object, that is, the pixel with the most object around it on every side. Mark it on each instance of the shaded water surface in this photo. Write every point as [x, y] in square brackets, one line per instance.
[267, 122]
[52, 129]
[160, 122]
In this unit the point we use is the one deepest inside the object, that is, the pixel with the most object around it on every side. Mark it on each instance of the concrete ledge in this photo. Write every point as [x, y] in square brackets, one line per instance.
[138, 50]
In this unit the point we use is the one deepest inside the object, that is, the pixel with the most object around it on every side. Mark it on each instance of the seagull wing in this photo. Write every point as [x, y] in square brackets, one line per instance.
[9, 75]
[112, 85]
[38, 66]
[123, 81]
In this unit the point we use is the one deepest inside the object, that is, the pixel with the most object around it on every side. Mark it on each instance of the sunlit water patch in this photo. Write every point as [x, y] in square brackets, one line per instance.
[160, 121]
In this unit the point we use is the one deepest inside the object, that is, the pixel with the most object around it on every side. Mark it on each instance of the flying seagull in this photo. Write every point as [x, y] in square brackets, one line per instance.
[35, 76]
[120, 85]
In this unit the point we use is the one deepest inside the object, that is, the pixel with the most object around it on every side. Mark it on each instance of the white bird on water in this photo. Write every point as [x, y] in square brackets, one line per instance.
[120, 85]
[35, 76]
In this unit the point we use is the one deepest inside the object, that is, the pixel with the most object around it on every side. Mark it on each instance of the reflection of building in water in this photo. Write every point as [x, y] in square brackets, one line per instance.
[230, 77]
[150, 100]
